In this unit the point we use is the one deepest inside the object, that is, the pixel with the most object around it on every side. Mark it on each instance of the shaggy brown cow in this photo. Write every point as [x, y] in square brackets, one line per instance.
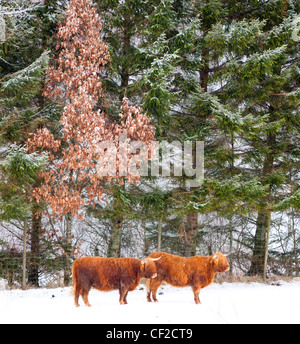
[109, 273]
[197, 272]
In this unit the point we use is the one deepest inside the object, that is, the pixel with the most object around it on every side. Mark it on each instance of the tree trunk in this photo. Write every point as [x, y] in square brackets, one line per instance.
[192, 225]
[267, 244]
[159, 234]
[125, 54]
[114, 247]
[204, 71]
[33, 268]
[295, 243]
[230, 239]
[259, 257]
[68, 250]
[146, 241]
[191, 235]
[24, 254]
[260, 242]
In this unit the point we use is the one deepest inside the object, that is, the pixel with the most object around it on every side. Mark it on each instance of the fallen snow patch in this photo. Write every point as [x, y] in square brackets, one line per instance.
[226, 303]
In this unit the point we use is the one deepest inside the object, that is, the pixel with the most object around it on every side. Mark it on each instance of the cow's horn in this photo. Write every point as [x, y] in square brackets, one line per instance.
[227, 254]
[154, 259]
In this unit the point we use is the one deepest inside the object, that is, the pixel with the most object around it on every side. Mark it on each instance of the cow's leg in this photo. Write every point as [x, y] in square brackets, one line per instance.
[84, 295]
[123, 293]
[196, 291]
[125, 298]
[76, 297]
[148, 287]
[154, 286]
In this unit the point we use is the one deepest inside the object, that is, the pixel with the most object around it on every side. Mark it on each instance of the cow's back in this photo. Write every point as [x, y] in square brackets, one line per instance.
[172, 269]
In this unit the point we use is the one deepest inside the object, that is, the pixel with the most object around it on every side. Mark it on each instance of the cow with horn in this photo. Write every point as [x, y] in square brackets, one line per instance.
[196, 272]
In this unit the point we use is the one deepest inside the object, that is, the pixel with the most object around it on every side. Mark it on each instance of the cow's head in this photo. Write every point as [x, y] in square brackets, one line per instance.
[148, 267]
[219, 262]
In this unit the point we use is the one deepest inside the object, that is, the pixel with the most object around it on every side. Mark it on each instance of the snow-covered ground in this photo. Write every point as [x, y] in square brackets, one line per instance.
[225, 303]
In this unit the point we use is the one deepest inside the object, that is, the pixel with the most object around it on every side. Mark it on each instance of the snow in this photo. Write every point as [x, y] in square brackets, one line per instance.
[221, 303]
[3, 284]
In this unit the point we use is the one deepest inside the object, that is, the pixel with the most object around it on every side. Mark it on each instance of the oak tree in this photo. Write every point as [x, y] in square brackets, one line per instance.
[90, 150]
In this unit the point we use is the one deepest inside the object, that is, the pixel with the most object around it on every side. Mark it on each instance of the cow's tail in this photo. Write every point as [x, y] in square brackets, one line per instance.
[73, 291]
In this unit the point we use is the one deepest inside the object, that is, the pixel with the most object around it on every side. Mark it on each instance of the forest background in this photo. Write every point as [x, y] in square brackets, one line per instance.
[223, 72]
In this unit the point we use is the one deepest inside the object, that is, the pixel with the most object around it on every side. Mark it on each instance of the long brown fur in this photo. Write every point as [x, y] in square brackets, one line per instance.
[197, 272]
[107, 274]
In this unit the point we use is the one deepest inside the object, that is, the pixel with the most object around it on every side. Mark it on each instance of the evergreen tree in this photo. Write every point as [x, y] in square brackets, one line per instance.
[19, 173]
[22, 108]
[252, 63]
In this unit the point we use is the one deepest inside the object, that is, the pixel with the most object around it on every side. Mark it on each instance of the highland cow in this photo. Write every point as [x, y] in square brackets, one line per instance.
[197, 272]
[109, 273]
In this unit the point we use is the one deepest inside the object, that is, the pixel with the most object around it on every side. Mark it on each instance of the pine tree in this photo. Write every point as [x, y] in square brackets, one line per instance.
[275, 145]
[22, 108]
[253, 63]
[19, 172]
